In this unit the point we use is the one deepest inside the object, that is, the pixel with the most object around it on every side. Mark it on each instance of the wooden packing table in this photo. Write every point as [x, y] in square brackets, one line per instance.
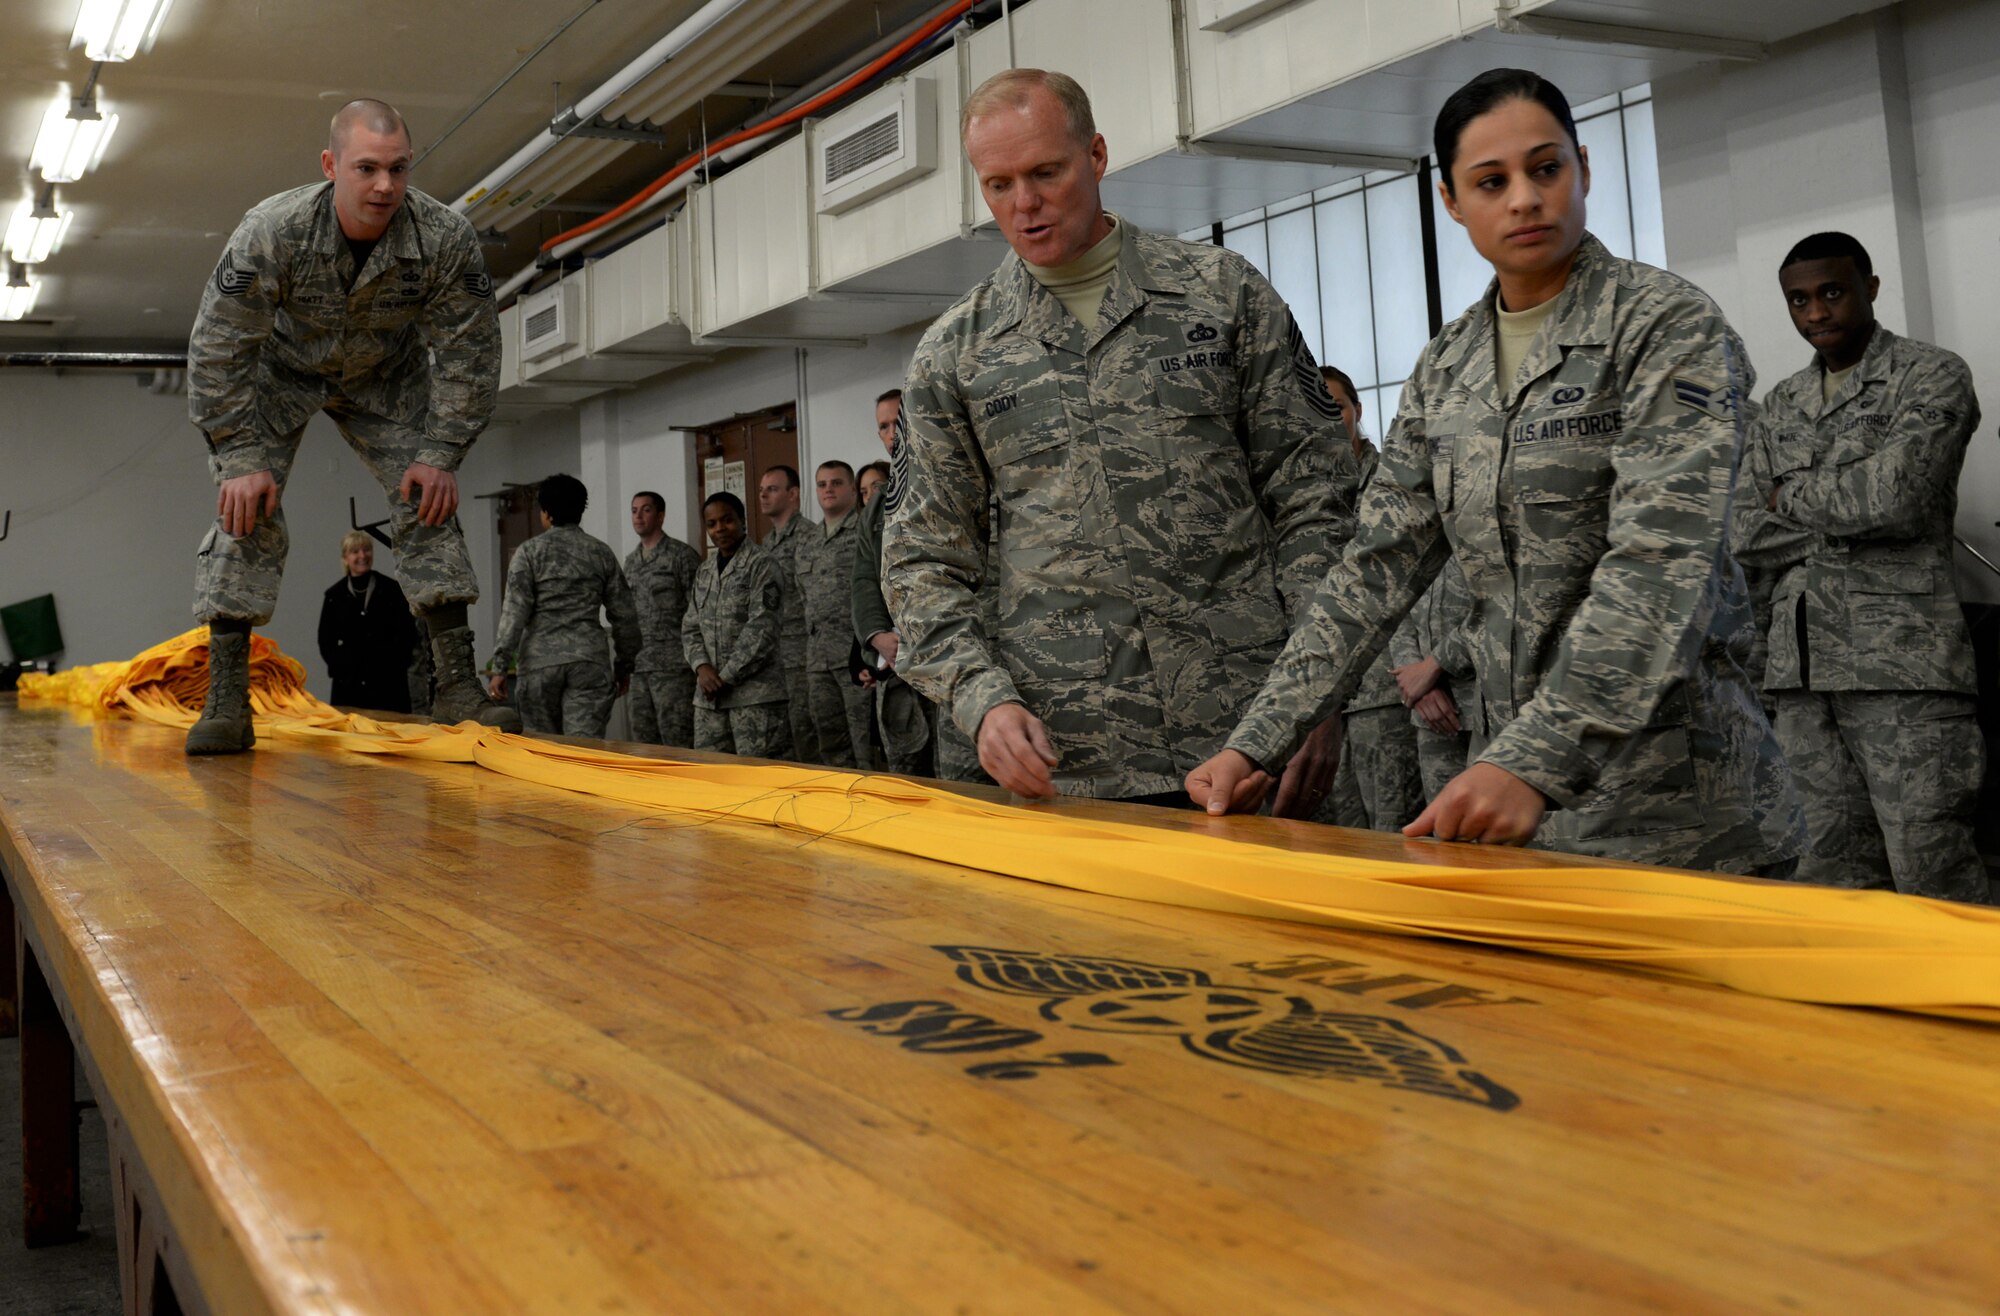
[387, 1036]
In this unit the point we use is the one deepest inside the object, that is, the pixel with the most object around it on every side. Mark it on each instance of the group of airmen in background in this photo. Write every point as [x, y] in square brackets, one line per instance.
[1133, 544]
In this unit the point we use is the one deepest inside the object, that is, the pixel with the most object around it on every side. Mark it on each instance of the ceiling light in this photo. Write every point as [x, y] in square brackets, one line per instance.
[17, 298]
[37, 229]
[72, 140]
[114, 30]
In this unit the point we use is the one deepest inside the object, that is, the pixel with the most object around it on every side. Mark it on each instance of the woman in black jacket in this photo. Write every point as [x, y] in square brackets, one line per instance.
[366, 633]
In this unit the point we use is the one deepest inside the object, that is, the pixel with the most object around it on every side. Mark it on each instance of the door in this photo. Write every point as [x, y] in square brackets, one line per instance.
[732, 455]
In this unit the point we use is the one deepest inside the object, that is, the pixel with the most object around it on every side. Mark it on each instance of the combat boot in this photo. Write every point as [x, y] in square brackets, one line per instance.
[224, 727]
[460, 697]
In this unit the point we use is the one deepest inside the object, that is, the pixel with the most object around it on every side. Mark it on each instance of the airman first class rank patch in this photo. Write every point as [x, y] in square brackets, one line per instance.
[1717, 402]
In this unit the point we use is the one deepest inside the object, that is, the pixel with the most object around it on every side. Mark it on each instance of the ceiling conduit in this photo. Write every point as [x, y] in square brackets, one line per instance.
[737, 144]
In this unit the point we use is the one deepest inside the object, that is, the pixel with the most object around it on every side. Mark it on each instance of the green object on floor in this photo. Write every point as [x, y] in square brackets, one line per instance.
[32, 629]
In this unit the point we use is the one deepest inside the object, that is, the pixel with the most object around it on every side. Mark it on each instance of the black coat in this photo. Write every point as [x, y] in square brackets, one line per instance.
[367, 653]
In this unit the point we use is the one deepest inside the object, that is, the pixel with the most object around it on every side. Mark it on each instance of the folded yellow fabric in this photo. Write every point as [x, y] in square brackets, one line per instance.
[1793, 942]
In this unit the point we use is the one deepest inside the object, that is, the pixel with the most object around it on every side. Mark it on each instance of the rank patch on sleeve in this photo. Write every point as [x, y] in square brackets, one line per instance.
[1307, 370]
[232, 282]
[899, 465]
[1717, 402]
[478, 283]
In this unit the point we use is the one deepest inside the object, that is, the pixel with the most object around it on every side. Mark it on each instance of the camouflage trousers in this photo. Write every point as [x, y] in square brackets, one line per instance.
[756, 731]
[566, 699]
[238, 578]
[798, 708]
[1440, 757]
[1891, 785]
[1378, 785]
[908, 725]
[843, 720]
[661, 706]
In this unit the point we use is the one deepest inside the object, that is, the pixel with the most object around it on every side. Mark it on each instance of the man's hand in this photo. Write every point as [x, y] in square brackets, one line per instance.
[708, 679]
[1771, 503]
[439, 489]
[1228, 783]
[1015, 751]
[1483, 803]
[1309, 776]
[886, 643]
[867, 679]
[1417, 679]
[1439, 712]
[242, 500]
[496, 685]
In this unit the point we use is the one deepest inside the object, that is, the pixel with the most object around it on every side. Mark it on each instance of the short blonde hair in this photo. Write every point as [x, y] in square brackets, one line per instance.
[352, 540]
[1010, 89]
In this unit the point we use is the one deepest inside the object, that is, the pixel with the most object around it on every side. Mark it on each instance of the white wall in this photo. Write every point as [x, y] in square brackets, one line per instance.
[110, 492]
[641, 439]
[1882, 126]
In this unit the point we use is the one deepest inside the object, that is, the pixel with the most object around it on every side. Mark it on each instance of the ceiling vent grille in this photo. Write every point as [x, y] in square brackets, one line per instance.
[877, 141]
[552, 320]
[877, 144]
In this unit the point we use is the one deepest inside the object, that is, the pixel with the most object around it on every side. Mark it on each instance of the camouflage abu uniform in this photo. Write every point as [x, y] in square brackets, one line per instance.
[1155, 496]
[406, 364]
[1378, 784]
[551, 638]
[908, 720]
[1586, 502]
[662, 695]
[1870, 659]
[732, 624]
[784, 547]
[1435, 628]
[841, 711]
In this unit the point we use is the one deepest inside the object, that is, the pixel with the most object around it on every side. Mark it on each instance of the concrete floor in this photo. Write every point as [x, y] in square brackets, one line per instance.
[76, 1279]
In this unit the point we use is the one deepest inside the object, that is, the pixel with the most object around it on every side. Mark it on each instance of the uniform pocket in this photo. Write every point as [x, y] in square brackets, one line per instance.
[1889, 605]
[1567, 474]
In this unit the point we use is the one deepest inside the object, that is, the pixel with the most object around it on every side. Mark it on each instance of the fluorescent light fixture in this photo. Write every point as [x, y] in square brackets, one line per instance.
[36, 232]
[115, 30]
[72, 140]
[17, 298]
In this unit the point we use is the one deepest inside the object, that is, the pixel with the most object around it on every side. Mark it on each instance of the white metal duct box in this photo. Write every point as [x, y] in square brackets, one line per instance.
[876, 144]
[552, 320]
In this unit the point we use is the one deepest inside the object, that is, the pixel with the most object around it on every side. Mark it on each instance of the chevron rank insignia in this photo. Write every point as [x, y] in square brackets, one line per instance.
[232, 282]
[1717, 402]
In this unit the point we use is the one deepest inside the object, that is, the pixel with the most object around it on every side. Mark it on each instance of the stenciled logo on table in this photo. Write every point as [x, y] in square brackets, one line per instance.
[1260, 1028]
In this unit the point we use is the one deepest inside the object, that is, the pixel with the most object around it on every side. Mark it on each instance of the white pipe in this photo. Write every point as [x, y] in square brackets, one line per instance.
[617, 85]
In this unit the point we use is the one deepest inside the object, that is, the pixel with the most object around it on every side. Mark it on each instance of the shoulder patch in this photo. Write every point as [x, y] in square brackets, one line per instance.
[478, 283]
[899, 467]
[232, 282]
[1717, 402]
[1307, 370]
[774, 595]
